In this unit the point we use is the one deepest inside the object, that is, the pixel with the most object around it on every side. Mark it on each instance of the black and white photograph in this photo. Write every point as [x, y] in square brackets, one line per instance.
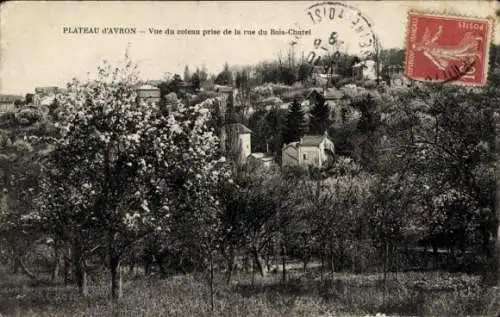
[250, 158]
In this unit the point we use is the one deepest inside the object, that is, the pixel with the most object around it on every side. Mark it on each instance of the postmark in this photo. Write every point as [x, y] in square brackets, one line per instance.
[445, 48]
[337, 28]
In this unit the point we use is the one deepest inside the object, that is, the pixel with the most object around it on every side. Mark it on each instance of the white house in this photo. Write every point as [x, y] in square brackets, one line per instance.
[311, 150]
[365, 70]
[238, 141]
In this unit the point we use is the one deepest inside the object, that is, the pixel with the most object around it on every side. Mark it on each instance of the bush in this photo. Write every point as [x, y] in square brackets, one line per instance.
[370, 84]
[28, 115]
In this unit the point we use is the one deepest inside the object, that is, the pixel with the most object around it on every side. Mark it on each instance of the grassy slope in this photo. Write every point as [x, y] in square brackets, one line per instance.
[339, 294]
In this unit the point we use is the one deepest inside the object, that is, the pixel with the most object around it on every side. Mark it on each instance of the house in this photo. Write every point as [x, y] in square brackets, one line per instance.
[186, 88]
[394, 76]
[148, 93]
[311, 150]
[8, 102]
[365, 70]
[44, 96]
[45, 91]
[323, 75]
[262, 159]
[237, 141]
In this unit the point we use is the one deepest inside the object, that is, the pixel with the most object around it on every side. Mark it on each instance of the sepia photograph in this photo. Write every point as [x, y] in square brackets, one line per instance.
[250, 158]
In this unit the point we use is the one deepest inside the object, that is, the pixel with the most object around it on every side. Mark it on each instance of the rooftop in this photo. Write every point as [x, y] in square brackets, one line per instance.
[292, 144]
[239, 128]
[311, 140]
[367, 63]
[262, 156]
[147, 87]
[10, 98]
[220, 88]
[46, 90]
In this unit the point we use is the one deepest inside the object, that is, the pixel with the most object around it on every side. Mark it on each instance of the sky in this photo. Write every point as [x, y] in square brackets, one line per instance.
[35, 49]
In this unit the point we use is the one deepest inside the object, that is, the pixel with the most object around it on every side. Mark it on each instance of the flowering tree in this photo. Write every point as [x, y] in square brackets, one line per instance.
[21, 164]
[122, 169]
[441, 142]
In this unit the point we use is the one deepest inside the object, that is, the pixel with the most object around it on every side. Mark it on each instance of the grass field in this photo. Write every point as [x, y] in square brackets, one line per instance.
[337, 294]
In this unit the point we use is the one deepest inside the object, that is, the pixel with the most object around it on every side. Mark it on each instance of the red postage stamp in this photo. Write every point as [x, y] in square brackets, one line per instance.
[441, 48]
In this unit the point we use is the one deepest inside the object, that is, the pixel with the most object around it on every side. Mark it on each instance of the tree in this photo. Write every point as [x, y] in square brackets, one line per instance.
[441, 139]
[257, 207]
[304, 71]
[29, 98]
[117, 171]
[225, 77]
[196, 81]
[187, 74]
[368, 130]
[243, 96]
[319, 117]
[22, 165]
[295, 123]
[204, 74]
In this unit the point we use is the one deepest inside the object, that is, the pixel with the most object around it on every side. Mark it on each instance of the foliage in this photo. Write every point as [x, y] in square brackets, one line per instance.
[121, 168]
[225, 77]
[187, 74]
[295, 123]
[319, 117]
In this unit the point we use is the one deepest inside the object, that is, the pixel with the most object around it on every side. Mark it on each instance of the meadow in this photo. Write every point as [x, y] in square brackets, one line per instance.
[304, 294]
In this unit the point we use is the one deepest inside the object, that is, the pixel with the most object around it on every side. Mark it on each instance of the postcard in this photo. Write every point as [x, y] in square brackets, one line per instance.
[249, 158]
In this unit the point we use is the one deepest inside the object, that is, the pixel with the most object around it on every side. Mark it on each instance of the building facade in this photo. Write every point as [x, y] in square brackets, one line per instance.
[7, 102]
[238, 141]
[148, 93]
[311, 150]
[365, 70]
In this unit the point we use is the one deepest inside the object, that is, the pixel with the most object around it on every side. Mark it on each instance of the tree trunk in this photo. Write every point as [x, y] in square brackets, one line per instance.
[257, 262]
[230, 264]
[331, 264]
[283, 263]
[435, 256]
[161, 265]
[67, 267]
[25, 269]
[322, 254]
[386, 268]
[80, 270]
[147, 267]
[15, 264]
[116, 277]
[212, 295]
[253, 273]
[58, 258]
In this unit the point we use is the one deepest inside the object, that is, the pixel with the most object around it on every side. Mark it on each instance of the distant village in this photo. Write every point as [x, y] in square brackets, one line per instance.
[236, 137]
